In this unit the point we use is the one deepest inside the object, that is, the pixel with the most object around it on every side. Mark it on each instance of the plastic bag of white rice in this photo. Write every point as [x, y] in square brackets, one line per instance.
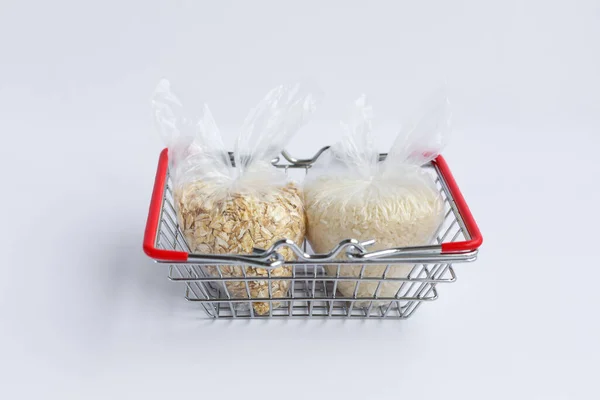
[349, 193]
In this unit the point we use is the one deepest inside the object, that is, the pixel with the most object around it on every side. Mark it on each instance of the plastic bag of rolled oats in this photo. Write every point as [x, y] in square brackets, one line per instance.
[231, 209]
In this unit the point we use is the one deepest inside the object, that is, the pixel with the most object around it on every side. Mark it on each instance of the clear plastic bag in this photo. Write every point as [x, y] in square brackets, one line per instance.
[226, 209]
[349, 193]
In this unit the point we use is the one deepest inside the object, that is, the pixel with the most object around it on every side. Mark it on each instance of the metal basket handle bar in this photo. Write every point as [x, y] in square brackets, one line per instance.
[404, 259]
[303, 161]
[417, 255]
[272, 261]
[232, 159]
[310, 161]
[354, 251]
[269, 258]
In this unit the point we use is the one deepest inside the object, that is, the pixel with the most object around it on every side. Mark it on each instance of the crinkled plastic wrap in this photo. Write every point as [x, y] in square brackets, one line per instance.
[225, 209]
[349, 193]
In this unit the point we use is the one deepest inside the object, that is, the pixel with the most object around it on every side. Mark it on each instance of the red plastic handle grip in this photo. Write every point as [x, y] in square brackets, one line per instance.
[154, 216]
[476, 238]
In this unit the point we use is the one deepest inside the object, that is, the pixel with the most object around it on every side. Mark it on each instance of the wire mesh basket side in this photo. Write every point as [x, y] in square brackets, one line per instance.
[312, 291]
[311, 288]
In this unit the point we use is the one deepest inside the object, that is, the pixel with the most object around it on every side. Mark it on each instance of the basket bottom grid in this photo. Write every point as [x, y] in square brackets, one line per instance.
[313, 294]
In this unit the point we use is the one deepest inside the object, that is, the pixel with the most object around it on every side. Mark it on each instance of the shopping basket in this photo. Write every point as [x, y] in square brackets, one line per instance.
[312, 291]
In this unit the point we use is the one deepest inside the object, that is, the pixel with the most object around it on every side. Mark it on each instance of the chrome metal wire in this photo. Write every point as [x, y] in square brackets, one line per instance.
[312, 292]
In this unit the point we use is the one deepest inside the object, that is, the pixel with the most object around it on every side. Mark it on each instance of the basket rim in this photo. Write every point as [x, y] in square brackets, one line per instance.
[462, 251]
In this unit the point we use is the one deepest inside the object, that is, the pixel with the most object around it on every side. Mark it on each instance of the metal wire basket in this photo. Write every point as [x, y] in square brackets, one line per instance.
[313, 292]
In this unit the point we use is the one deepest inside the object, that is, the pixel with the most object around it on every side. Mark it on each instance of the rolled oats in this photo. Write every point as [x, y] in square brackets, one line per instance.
[236, 224]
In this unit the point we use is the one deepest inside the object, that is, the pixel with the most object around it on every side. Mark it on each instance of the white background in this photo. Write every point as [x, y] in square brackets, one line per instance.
[85, 314]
